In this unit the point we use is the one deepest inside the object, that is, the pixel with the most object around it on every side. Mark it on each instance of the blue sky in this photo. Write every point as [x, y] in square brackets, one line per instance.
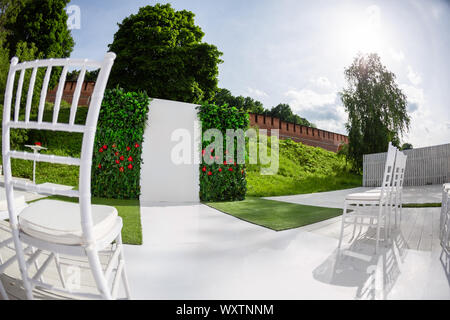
[291, 51]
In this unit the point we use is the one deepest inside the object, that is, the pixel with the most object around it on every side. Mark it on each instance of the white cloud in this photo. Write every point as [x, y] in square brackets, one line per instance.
[256, 92]
[322, 83]
[373, 16]
[397, 55]
[317, 102]
[413, 94]
[308, 99]
[413, 76]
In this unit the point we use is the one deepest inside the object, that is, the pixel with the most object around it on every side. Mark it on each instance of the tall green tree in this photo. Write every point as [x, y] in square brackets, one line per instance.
[43, 23]
[224, 96]
[377, 108]
[160, 50]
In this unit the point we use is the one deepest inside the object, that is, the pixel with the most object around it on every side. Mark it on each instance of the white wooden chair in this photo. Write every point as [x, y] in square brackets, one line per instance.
[372, 205]
[444, 234]
[59, 227]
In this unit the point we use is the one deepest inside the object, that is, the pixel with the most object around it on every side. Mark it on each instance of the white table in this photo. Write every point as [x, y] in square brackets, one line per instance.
[35, 149]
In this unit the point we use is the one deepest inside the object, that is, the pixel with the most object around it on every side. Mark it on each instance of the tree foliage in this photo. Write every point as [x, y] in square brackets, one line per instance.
[160, 50]
[224, 96]
[42, 22]
[376, 108]
[406, 146]
[284, 112]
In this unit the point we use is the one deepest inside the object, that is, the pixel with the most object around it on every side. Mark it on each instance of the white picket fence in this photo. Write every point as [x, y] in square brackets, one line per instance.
[424, 166]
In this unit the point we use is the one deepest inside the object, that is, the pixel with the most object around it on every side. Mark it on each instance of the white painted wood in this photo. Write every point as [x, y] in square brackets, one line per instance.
[91, 244]
[166, 118]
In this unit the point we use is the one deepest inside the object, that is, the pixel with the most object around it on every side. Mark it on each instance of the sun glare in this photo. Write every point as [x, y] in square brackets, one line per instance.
[362, 32]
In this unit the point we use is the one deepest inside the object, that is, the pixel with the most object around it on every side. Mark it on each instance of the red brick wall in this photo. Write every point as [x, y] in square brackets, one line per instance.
[307, 135]
[69, 89]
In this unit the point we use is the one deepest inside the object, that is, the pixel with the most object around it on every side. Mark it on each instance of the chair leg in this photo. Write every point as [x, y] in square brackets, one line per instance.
[97, 272]
[22, 264]
[3, 291]
[343, 224]
[380, 209]
[59, 269]
[124, 270]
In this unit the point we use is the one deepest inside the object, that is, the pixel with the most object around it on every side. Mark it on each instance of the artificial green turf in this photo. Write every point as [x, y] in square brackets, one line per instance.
[422, 205]
[275, 215]
[129, 210]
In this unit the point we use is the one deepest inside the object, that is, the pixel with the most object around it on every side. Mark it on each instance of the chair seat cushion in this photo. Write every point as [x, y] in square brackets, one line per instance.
[364, 196]
[60, 222]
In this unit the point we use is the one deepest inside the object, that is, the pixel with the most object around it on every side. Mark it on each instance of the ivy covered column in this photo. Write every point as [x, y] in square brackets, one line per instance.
[222, 178]
[116, 162]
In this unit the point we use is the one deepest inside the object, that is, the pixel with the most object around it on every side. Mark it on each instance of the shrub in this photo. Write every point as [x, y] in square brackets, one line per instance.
[116, 162]
[225, 181]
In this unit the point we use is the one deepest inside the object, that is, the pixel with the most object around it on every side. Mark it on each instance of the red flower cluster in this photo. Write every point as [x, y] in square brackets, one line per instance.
[116, 153]
[38, 143]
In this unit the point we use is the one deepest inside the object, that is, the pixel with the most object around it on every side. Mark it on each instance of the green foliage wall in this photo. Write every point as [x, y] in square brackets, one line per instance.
[116, 162]
[223, 180]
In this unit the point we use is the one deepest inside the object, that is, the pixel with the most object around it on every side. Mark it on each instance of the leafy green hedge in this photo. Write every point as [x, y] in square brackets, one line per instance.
[223, 180]
[116, 162]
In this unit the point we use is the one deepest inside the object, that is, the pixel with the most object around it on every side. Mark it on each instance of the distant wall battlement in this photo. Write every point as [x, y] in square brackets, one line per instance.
[307, 135]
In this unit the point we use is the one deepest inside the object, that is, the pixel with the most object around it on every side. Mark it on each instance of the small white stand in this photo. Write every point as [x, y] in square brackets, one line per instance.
[36, 149]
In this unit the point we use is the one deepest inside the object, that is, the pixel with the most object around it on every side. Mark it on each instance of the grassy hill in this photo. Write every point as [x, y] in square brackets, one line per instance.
[302, 169]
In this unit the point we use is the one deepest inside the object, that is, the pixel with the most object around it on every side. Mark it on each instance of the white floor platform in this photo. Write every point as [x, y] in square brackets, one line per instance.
[195, 252]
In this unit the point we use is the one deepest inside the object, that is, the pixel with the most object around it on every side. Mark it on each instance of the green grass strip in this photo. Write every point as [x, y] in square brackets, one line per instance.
[275, 215]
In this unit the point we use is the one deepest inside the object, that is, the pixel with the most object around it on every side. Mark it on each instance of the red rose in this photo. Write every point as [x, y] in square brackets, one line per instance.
[204, 169]
[211, 157]
[230, 169]
[117, 161]
[101, 150]
[224, 162]
[121, 169]
[114, 145]
[128, 148]
[136, 145]
[209, 173]
[212, 150]
[242, 171]
[203, 152]
[116, 153]
[220, 169]
[99, 166]
[105, 147]
[130, 159]
[38, 143]
[130, 166]
[122, 158]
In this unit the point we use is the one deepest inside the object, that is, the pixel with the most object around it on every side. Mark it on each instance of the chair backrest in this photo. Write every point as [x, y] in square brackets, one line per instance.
[12, 121]
[386, 183]
[399, 171]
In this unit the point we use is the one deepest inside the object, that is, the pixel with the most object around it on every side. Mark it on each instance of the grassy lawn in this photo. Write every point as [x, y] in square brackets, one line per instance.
[275, 215]
[279, 185]
[302, 169]
[129, 210]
